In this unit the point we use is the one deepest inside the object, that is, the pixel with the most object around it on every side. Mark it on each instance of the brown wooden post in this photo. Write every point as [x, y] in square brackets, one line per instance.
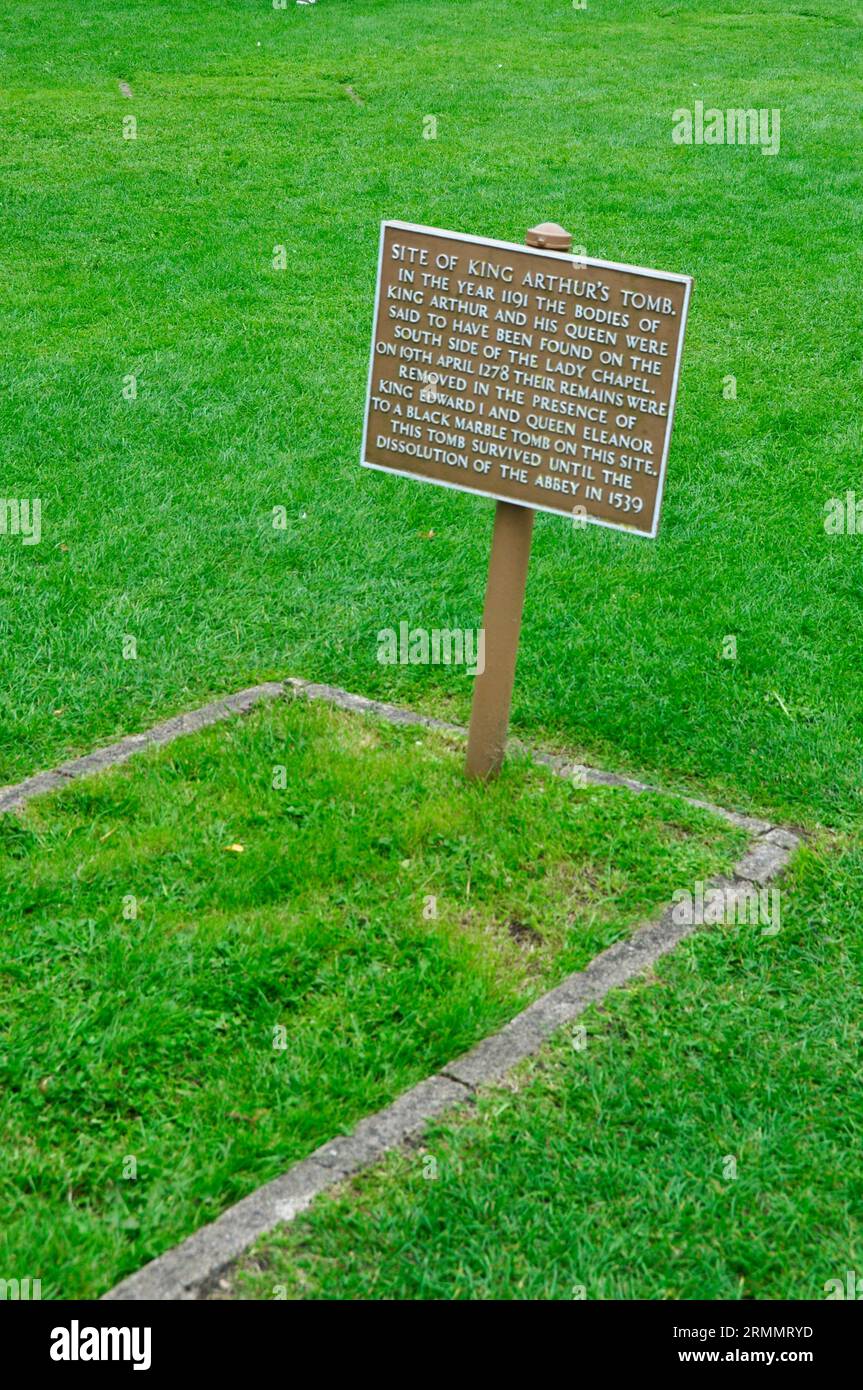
[504, 600]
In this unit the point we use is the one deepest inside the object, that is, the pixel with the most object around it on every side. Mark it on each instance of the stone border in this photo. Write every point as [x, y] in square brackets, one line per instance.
[12, 797]
[18, 793]
[190, 1269]
[563, 767]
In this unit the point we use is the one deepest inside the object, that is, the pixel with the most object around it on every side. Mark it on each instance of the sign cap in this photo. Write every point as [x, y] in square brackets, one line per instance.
[550, 235]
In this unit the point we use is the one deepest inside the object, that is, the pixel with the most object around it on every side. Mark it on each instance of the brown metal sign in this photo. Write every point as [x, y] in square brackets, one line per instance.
[527, 375]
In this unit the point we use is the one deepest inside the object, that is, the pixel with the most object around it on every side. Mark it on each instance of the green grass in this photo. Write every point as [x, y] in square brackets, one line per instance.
[152, 1036]
[603, 1173]
[154, 257]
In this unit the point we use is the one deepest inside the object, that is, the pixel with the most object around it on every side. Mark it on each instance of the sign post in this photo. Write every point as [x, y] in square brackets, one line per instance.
[504, 600]
[543, 382]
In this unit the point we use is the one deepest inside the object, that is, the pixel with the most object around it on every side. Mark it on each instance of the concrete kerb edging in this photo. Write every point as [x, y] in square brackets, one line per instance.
[563, 767]
[191, 1268]
[14, 796]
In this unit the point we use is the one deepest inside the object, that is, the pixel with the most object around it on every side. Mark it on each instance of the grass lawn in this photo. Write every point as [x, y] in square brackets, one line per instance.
[301, 906]
[604, 1172]
[153, 258]
[163, 388]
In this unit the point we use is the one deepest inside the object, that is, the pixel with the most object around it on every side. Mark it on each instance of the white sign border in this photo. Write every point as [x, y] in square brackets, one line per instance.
[567, 257]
